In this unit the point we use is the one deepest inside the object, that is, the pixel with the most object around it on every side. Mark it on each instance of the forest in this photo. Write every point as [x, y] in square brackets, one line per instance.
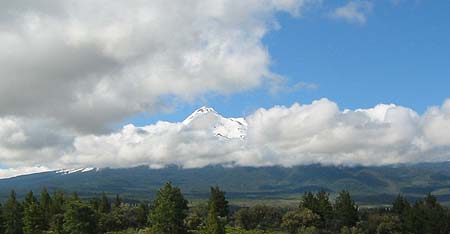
[171, 213]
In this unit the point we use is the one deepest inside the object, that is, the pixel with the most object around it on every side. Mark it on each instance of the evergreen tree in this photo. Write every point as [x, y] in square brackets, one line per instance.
[220, 202]
[33, 219]
[2, 221]
[105, 206]
[79, 218]
[309, 201]
[213, 223]
[29, 199]
[319, 204]
[400, 205]
[141, 214]
[95, 203]
[427, 216]
[117, 201]
[12, 213]
[45, 203]
[57, 203]
[168, 211]
[346, 210]
[57, 211]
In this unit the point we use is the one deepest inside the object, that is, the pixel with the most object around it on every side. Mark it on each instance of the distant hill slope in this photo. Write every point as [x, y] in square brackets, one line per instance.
[369, 185]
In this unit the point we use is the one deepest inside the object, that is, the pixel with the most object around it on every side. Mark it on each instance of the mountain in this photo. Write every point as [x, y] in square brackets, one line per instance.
[207, 118]
[369, 185]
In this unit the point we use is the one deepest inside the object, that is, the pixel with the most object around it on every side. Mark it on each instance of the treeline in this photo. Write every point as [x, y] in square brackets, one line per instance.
[170, 213]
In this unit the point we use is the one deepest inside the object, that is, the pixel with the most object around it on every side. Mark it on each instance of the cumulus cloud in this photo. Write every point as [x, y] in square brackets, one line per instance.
[300, 134]
[89, 64]
[353, 12]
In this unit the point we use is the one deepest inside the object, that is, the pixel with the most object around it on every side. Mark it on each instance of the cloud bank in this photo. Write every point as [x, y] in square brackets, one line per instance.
[300, 134]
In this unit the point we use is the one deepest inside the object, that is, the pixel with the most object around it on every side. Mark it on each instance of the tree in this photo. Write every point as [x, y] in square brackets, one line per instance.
[293, 221]
[57, 211]
[319, 204]
[389, 227]
[79, 218]
[400, 205]
[213, 223]
[12, 215]
[1, 219]
[346, 210]
[94, 203]
[33, 219]
[45, 203]
[221, 204]
[29, 199]
[141, 214]
[57, 203]
[168, 211]
[117, 201]
[197, 216]
[260, 217]
[427, 216]
[104, 206]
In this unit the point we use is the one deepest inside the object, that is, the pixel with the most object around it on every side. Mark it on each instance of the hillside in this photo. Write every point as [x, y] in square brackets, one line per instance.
[369, 185]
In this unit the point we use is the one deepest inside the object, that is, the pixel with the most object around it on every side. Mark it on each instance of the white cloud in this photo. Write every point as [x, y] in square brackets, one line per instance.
[353, 11]
[301, 134]
[91, 63]
[10, 172]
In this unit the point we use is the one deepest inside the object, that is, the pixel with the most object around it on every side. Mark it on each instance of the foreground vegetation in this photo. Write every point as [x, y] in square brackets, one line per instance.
[169, 213]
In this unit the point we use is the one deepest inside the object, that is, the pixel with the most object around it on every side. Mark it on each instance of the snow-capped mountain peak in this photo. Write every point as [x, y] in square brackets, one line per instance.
[199, 112]
[206, 118]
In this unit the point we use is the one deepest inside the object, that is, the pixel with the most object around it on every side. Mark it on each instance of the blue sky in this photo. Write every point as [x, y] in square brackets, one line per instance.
[400, 55]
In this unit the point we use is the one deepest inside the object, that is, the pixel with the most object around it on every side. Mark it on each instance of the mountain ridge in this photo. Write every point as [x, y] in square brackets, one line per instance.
[369, 185]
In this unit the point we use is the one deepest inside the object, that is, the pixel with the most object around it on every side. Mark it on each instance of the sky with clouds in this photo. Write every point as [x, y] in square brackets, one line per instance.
[97, 83]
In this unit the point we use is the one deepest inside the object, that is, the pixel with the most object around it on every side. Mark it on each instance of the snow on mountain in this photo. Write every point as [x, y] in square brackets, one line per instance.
[206, 118]
[75, 170]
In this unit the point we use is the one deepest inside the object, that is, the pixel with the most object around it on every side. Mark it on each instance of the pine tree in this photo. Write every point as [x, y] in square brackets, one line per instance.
[57, 203]
[141, 215]
[319, 204]
[221, 204]
[400, 205]
[12, 213]
[213, 222]
[105, 206]
[95, 203]
[309, 201]
[33, 219]
[45, 203]
[117, 201]
[79, 218]
[57, 211]
[169, 209]
[346, 210]
[29, 199]
[324, 208]
[2, 221]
